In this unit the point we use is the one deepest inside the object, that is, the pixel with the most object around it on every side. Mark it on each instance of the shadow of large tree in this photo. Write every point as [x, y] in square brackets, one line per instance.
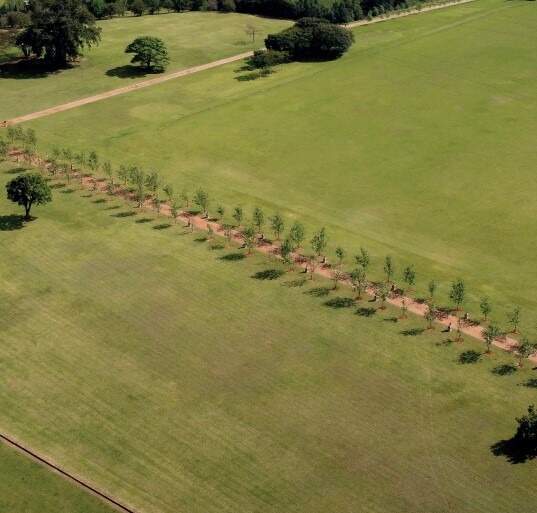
[11, 222]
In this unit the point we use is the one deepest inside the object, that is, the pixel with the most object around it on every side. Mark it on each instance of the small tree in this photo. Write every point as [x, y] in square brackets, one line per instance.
[358, 281]
[457, 293]
[409, 276]
[337, 276]
[489, 334]
[363, 259]
[432, 289]
[123, 174]
[383, 293]
[201, 199]
[389, 269]
[251, 30]
[168, 190]
[185, 198]
[404, 309]
[4, 148]
[485, 307]
[28, 190]
[68, 156]
[149, 52]
[238, 215]
[153, 183]
[258, 218]
[430, 316]
[93, 161]
[524, 350]
[340, 255]
[286, 251]
[297, 235]
[174, 209]
[277, 225]
[513, 317]
[318, 242]
[248, 235]
[109, 172]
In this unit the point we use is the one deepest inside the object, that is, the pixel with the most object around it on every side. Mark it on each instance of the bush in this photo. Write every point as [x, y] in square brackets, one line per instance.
[266, 59]
[311, 38]
[227, 5]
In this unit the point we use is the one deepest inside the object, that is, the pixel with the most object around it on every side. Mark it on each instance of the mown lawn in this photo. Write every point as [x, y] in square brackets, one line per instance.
[27, 487]
[418, 143]
[191, 38]
[134, 355]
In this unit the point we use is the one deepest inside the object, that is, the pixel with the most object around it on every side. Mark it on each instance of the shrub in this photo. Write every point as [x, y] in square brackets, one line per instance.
[311, 38]
[266, 58]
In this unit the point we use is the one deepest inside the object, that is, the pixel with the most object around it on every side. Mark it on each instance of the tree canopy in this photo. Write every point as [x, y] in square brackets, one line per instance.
[28, 190]
[311, 38]
[58, 30]
[150, 52]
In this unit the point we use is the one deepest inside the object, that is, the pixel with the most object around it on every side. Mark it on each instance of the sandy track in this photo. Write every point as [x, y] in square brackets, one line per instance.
[127, 89]
[194, 69]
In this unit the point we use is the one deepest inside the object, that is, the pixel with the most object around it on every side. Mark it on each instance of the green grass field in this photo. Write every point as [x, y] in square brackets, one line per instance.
[27, 487]
[191, 38]
[418, 143]
[135, 356]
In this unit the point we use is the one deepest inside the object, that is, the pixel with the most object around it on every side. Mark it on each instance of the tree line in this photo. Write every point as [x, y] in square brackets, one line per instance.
[292, 242]
[17, 13]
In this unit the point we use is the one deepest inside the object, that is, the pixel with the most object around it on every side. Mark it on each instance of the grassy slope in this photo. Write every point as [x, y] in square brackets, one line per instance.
[419, 142]
[191, 38]
[137, 358]
[27, 487]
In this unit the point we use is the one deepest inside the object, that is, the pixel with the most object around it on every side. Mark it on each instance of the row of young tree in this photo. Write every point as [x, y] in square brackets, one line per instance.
[149, 189]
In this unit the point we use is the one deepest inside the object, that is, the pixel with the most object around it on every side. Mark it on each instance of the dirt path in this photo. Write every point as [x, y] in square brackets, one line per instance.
[196, 222]
[410, 12]
[194, 69]
[127, 89]
[11, 442]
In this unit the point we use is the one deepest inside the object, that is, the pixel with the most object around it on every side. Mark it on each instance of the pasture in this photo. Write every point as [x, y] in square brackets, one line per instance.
[27, 487]
[418, 143]
[191, 38]
[144, 359]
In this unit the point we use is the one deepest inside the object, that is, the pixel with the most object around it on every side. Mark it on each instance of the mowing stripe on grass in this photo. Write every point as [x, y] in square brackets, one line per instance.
[51, 466]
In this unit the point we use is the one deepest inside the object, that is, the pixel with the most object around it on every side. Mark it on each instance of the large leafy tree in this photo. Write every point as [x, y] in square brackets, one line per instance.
[58, 30]
[150, 52]
[28, 190]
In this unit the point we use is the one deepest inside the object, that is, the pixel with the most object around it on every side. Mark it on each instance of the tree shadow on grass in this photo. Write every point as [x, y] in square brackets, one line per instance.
[391, 319]
[216, 246]
[514, 450]
[11, 222]
[128, 213]
[339, 302]
[162, 226]
[15, 171]
[366, 312]
[99, 201]
[68, 191]
[469, 357]
[113, 207]
[318, 291]
[295, 283]
[27, 68]
[412, 332]
[232, 257]
[144, 220]
[530, 383]
[201, 238]
[127, 71]
[60, 185]
[268, 274]
[504, 370]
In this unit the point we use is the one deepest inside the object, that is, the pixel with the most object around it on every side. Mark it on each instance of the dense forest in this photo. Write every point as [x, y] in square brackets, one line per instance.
[14, 13]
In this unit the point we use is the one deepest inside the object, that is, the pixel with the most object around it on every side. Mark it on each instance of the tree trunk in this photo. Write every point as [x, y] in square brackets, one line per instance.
[27, 209]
